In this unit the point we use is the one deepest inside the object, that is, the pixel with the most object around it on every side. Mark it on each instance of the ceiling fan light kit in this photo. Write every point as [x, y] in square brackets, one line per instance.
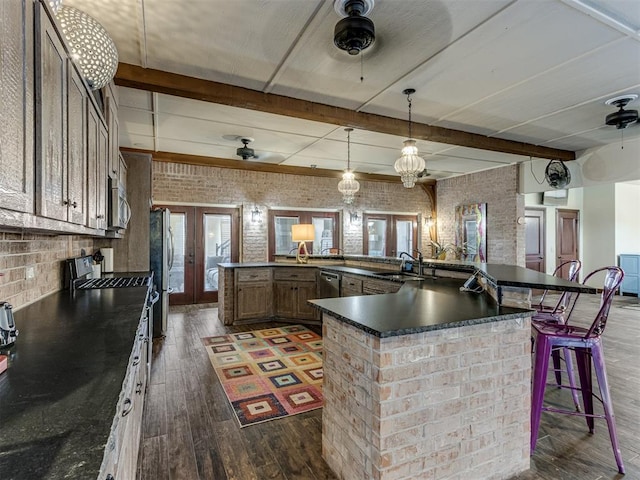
[355, 32]
[622, 118]
[410, 164]
[245, 151]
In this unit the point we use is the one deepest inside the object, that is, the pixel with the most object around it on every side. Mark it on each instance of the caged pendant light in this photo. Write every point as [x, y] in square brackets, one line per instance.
[348, 186]
[409, 165]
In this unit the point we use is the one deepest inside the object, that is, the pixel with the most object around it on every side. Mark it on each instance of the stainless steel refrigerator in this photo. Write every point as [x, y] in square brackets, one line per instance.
[160, 262]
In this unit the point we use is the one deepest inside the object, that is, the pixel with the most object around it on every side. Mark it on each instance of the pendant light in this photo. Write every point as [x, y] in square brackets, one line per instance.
[92, 49]
[348, 186]
[409, 165]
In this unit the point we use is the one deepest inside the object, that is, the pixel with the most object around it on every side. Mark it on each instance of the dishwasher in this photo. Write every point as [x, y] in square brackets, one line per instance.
[329, 285]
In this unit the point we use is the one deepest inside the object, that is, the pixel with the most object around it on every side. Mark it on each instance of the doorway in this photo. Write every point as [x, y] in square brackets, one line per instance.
[203, 237]
[567, 229]
[535, 239]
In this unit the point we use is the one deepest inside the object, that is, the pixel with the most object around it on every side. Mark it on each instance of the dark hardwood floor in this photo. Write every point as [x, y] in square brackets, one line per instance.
[190, 432]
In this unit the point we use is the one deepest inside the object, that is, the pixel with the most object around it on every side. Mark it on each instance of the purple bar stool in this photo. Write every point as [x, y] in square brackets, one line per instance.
[586, 342]
[559, 313]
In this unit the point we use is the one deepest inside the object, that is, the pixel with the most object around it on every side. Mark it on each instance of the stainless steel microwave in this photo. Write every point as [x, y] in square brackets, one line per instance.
[119, 210]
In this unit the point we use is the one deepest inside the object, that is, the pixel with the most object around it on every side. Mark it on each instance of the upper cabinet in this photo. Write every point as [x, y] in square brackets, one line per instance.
[60, 129]
[16, 106]
[58, 140]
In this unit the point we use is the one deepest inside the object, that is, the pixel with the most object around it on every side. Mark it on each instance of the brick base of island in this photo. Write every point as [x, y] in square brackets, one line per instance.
[449, 403]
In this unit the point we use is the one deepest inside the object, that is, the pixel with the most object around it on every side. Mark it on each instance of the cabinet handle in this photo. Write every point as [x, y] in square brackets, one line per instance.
[74, 204]
[139, 388]
[295, 275]
[99, 216]
[110, 477]
[66, 202]
[128, 406]
[136, 360]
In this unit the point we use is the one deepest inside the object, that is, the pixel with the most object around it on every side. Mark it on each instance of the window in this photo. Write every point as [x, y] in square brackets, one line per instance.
[325, 226]
[388, 235]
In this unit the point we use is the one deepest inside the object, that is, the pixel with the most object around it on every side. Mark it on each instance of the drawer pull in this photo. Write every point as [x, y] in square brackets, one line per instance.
[136, 360]
[139, 388]
[128, 406]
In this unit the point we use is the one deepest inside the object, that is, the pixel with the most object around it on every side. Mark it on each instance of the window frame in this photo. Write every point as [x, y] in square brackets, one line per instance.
[304, 216]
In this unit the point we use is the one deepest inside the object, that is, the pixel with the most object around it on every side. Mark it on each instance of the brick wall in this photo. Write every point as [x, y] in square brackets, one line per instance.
[44, 255]
[445, 404]
[194, 184]
[498, 189]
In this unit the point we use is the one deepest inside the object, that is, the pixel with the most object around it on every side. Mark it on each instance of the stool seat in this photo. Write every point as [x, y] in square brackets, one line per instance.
[587, 345]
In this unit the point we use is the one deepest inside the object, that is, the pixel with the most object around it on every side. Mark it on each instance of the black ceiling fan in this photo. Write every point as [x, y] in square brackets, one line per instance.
[245, 151]
[622, 118]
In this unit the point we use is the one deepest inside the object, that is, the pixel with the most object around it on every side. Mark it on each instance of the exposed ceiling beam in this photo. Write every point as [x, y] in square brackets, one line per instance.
[263, 167]
[168, 83]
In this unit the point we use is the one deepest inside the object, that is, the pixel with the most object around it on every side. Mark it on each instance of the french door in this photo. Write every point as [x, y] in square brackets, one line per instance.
[325, 226]
[203, 237]
[389, 235]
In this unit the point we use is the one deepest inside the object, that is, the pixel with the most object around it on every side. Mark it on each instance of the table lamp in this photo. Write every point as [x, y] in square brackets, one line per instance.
[302, 232]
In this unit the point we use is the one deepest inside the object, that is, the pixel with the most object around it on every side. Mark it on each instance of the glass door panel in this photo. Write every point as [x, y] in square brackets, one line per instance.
[177, 273]
[377, 237]
[324, 229]
[404, 236]
[217, 248]
[283, 242]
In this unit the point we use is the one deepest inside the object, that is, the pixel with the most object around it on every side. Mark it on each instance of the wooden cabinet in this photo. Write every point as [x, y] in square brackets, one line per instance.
[97, 145]
[16, 106]
[373, 286]
[253, 293]
[113, 159]
[60, 129]
[292, 288]
[631, 281]
[350, 286]
[121, 452]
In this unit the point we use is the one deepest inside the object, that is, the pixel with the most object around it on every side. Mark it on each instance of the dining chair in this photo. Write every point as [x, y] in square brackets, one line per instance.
[587, 345]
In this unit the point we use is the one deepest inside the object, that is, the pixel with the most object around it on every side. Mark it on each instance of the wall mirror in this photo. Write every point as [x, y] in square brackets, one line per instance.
[471, 231]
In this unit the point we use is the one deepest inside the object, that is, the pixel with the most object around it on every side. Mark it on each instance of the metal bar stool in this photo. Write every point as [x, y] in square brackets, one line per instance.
[586, 342]
[559, 313]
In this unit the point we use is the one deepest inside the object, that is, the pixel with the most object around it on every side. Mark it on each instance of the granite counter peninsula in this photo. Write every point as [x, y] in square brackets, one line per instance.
[428, 382]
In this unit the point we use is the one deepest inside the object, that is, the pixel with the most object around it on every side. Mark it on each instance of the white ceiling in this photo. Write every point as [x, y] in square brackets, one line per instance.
[534, 71]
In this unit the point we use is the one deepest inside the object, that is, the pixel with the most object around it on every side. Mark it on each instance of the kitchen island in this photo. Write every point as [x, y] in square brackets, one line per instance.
[66, 376]
[428, 382]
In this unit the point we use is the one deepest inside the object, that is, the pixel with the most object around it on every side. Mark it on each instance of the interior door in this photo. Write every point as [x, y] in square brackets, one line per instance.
[203, 237]
[534, 239]
[566, 237]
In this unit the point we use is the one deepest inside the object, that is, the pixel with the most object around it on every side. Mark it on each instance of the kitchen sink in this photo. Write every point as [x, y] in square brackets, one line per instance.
[399, 276]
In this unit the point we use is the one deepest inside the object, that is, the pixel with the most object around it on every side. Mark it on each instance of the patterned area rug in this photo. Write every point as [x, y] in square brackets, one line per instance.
[269, 373]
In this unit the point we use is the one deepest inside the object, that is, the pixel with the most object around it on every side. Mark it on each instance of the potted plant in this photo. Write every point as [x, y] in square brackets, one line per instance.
[439, 250]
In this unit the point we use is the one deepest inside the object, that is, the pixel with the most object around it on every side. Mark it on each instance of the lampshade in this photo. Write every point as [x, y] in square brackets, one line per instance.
[302, 232]
[409, 165]
[55, 4]
[92, 49]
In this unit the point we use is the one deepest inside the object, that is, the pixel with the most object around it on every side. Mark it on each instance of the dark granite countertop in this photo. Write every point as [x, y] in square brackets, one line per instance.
[419, 306]
[59, 394]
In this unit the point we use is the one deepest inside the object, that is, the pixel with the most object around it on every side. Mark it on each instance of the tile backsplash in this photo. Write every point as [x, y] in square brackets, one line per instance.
[32, 264]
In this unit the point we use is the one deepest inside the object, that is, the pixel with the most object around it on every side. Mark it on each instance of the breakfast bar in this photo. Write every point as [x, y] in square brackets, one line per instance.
[428, 382]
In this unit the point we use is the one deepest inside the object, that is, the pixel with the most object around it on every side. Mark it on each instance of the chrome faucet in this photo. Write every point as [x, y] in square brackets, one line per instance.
[420, 260]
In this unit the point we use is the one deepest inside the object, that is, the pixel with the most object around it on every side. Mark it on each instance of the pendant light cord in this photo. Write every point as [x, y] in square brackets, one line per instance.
[349, 150]
[409, 100]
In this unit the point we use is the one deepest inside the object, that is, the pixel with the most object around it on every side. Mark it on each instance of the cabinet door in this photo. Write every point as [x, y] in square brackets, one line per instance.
[76, 148]
[306, 291]
[285, 299]
[253, 300]
[51, 122]
[102, 165]
[16, 105]
[112, 121]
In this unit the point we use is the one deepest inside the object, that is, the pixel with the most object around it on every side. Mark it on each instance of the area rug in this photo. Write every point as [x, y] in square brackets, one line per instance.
[268, 374]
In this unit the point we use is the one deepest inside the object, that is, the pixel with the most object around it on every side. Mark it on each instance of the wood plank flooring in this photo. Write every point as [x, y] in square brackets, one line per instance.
[190, 432]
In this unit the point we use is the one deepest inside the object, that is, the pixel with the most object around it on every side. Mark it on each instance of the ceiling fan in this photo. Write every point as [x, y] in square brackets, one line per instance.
[247, 153]
[622, 118]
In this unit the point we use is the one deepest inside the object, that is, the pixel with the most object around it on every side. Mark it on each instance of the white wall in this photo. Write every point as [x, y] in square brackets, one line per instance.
[599, 227]
[627, 218]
